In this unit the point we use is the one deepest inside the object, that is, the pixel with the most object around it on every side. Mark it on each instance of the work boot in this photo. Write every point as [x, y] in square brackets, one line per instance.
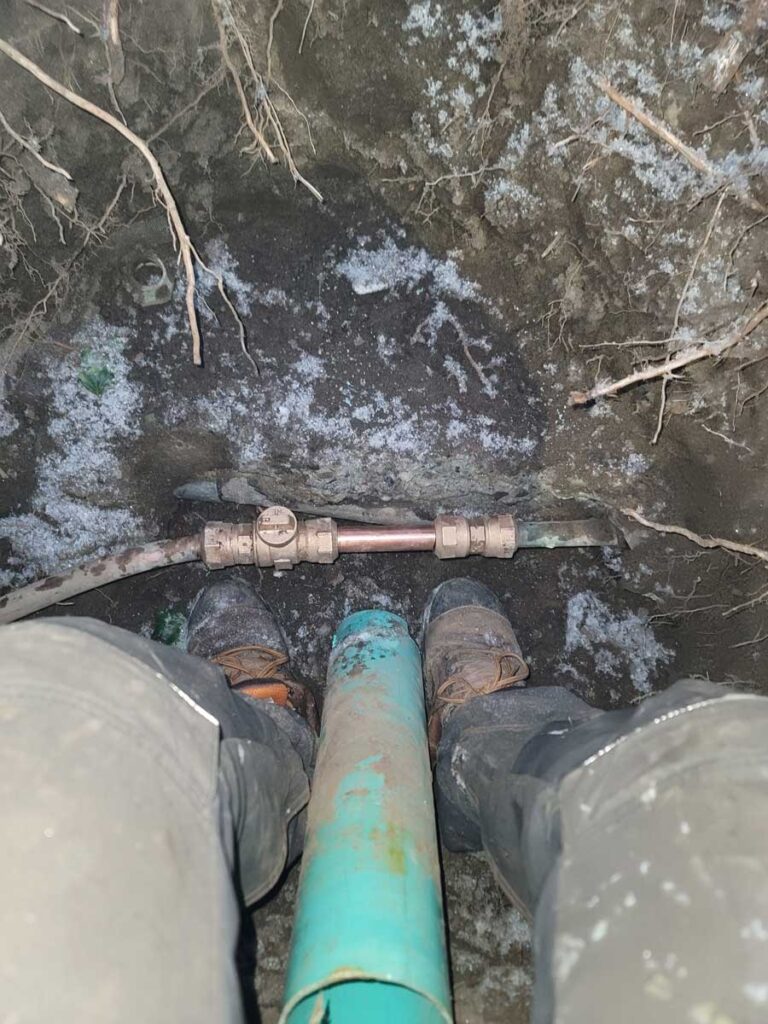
[482, 717]
[232, 626]
[470, 650]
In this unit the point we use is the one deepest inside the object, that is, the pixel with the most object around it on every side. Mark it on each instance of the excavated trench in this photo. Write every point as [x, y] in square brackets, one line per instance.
[497, 232]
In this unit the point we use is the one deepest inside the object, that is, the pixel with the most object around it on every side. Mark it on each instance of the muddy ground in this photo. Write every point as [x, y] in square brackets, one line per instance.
[496, 232]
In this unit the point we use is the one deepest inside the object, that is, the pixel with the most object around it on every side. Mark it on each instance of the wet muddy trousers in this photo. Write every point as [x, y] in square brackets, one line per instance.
[142, 803]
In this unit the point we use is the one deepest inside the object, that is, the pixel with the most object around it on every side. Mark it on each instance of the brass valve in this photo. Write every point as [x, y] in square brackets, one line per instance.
[276, 539]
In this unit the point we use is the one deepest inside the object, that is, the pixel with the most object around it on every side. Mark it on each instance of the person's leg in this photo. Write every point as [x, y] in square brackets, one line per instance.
[133, 786]
[636, 840]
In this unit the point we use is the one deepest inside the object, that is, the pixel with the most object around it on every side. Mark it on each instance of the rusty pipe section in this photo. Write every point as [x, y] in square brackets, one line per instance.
[575, 533]
[19, 603]
[277, 539]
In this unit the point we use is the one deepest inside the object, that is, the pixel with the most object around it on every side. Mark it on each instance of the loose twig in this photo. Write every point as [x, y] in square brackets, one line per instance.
[215, 80]
[694, 158]
[306, 25]
[728, 440]
[739, 239]
[54, 14]
[186, 250]
[694, 265]
[690, 354]
[111, 23]
[758, 639]
[271, 37]
[25, 144]
[662, 407]
[489, 389]
[696, 538]
[657, 128]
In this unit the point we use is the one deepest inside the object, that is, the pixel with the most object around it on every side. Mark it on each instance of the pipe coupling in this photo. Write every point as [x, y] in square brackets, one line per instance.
[276, 539]
[226, 544]
[491, 536]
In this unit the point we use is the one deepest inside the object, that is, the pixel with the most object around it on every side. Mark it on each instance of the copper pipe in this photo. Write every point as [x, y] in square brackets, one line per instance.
[386, 538]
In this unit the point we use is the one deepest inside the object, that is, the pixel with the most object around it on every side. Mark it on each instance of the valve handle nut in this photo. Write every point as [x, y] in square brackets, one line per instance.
[277, 526]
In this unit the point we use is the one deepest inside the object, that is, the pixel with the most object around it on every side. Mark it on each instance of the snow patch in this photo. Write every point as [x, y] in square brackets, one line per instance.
[8, 422]
[224, 265]
[425, 18]
[457, 371]
[377, 270]
[84, 430]
[619, 643]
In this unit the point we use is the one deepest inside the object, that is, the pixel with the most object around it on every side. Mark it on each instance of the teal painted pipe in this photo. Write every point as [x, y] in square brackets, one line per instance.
[369, 939]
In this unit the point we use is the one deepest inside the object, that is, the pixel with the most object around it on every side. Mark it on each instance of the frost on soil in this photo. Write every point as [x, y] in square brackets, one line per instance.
[79, 462]
[620, 644]
[378, 270]
[490, 953]
[575, 144]
[352, 416]
[8, 422]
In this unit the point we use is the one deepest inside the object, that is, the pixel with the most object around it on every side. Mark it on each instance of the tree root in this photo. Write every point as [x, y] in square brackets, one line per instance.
[229, 25]
[30, 148]
[696, 538]
[57, 15]
[718, 543]
[686, 357]
[53, 290]
[187, 252]
[694, 158]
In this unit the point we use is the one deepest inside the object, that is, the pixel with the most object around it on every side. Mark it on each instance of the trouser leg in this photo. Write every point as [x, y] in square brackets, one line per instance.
[636, 840]
[133, 785]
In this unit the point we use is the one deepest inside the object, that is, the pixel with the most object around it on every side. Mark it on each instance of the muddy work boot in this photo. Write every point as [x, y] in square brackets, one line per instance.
[470, 650]
[232, 626]
[483, 720]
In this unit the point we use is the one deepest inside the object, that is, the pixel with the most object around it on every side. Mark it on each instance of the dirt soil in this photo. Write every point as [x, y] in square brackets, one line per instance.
[496, 232]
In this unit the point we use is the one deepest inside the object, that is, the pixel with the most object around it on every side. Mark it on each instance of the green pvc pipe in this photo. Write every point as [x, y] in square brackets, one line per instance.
[369, 939]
